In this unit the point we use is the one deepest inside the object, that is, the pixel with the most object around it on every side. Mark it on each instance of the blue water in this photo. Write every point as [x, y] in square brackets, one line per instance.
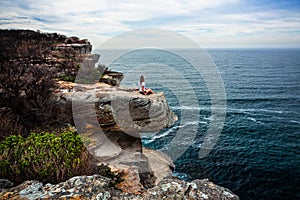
[257, 154]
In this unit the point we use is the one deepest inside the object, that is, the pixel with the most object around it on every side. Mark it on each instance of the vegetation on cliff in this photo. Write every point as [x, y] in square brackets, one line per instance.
[29, 62]
[48, 157]
[32, 147]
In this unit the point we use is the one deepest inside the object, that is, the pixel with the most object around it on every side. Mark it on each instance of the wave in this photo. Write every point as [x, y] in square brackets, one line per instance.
[252, 119]
[185, 108]
[285, 99]
[249, 110]
[182, 176]
[294, 121]
[242, 110]
[159, 135]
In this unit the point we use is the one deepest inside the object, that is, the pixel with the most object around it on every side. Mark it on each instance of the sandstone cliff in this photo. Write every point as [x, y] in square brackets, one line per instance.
[109, 118]
[112, 119]
[102, 109]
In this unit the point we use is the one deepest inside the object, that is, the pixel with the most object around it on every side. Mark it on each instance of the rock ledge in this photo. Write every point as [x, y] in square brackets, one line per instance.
[98, 187]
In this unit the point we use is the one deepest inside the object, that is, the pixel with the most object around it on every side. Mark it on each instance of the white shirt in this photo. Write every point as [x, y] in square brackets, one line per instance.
[140, 86]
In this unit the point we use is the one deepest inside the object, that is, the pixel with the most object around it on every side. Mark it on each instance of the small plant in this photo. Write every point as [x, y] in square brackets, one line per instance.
[116, 178]
[68, 78]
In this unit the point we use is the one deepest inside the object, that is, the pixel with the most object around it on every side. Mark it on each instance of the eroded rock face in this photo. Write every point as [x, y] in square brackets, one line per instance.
[112, 78]
[160, 164]
[112, 118]
[121, 109]
[98, 187]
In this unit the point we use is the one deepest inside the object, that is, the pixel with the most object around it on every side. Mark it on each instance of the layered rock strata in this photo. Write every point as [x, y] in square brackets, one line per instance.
[111, 120]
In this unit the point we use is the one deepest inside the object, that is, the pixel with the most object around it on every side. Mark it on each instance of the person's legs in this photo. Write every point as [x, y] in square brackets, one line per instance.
[149, 91]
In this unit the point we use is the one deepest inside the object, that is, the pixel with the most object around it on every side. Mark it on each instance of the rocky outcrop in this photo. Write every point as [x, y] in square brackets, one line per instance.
[82, 46]
[161, 165]
[145, 171]
[112, 78]
[98, 187]
[5, 183]
[113, 117]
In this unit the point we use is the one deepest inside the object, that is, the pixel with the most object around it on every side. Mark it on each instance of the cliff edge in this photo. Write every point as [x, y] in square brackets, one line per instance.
[112, 119]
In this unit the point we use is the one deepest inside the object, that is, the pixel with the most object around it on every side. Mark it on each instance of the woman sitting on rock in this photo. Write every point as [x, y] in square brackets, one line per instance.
[142, 87]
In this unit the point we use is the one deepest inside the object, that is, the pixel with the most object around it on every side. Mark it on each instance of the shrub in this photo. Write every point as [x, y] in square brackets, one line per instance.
[67, 78]
[48, 157]
[10, 123]
[29, 61]
[26, 90]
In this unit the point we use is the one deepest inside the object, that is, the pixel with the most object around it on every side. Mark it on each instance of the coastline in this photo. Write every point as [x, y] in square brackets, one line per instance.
[148, 184]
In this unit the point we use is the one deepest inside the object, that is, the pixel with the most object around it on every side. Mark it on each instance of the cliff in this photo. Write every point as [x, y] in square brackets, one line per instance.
[112, 119]
[109, 118]
[30, 62]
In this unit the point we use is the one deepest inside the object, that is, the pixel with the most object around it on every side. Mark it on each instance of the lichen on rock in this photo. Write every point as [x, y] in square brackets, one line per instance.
[98, 187]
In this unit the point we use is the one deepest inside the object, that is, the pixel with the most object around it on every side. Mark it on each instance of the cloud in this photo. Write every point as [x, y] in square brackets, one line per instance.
[213, 22]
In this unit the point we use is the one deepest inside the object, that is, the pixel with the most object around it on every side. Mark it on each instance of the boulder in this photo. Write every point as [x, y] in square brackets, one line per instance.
[174, 188]
[5, 183]
[112, 78]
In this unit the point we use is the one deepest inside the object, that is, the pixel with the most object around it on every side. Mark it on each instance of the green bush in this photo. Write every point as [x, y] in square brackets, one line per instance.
[47, 157]
[67, 78]
[42, 156]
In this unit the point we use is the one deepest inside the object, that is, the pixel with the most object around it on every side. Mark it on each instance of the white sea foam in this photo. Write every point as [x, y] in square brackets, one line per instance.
[252, 119]
[293, 121]
[170, 130]
[250, 110]
[185, 108]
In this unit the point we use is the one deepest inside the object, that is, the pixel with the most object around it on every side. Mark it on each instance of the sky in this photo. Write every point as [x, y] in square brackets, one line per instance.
[210, 23]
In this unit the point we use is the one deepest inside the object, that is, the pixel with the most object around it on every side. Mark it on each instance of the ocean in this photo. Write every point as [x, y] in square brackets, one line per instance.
[257, 151]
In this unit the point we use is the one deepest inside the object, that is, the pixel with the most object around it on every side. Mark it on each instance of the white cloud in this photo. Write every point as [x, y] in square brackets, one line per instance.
[201, 20]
